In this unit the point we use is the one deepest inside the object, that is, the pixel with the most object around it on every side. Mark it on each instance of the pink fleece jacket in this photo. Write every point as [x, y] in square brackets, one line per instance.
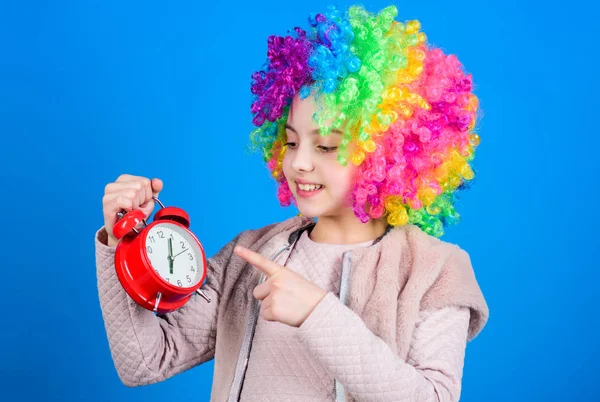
[413, 301]
[282, 368]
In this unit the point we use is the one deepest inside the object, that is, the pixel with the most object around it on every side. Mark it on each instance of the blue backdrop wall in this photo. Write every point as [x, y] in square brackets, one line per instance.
[93, 89]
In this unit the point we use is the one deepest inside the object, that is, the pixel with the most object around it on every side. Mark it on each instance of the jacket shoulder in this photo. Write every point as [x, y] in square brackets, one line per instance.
[449, 275]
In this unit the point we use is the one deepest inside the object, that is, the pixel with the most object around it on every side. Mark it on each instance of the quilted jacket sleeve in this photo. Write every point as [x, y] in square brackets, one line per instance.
[148, 348]
[371, 371]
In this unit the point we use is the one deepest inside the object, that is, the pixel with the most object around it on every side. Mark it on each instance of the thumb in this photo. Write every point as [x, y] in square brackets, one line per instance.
[157, 186]
[148, 207]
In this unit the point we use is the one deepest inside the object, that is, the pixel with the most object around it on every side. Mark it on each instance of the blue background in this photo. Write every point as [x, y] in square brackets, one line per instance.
[90, 90]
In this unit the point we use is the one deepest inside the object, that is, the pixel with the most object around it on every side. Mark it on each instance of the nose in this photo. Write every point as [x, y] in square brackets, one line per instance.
[302, 160]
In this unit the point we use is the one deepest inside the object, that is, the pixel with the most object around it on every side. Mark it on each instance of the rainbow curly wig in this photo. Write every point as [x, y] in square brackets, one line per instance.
[407, 106]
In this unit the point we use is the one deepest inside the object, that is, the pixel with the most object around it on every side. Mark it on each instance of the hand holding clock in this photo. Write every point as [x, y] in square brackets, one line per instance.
[127, 193]
[140, 256]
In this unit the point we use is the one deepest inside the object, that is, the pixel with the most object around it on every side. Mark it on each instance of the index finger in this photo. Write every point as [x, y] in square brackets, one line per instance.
[260, 262]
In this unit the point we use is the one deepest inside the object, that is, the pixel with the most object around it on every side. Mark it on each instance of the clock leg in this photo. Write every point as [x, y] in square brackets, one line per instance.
[201, 293]
[158, 296]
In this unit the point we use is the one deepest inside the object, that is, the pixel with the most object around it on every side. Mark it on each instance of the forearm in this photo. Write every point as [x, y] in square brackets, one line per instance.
[371, 371]
[147, 348]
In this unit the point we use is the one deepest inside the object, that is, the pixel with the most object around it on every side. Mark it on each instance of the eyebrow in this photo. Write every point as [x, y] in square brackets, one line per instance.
[315, 131]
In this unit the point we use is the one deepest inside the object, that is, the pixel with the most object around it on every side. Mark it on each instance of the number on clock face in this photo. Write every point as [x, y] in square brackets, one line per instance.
[167, 240]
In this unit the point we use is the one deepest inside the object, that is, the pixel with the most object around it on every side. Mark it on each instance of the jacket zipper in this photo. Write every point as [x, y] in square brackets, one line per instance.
[338, 389]
[242, 363]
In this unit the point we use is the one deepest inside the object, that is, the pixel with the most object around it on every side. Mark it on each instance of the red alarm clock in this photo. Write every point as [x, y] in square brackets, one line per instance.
[162, 264]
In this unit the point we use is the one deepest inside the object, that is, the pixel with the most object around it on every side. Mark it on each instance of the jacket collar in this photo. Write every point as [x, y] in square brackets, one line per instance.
[296, 233]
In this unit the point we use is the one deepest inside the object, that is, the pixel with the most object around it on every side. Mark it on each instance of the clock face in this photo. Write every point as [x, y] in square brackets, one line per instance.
[174, 255]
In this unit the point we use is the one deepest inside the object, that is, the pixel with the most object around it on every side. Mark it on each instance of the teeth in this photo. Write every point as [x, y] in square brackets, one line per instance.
[309, 187]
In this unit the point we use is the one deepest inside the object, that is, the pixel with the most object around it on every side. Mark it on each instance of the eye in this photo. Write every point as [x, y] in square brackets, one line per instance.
[290, 145]
[327, 149]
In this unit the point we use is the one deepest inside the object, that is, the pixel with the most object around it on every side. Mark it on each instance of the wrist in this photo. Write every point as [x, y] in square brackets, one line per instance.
[111, 241]
[320, 310]
[319, 295]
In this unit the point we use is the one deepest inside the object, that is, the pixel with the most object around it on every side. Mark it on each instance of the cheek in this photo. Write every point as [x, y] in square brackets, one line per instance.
[286, 165]
[342, 179]
[288, 172]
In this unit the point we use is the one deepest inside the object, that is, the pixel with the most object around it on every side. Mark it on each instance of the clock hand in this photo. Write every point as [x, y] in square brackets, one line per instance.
[180, 253]
[170, 256]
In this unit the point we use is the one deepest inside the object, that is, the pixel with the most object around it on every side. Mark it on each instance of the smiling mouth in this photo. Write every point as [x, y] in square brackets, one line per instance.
[309, 187]
[308, 190]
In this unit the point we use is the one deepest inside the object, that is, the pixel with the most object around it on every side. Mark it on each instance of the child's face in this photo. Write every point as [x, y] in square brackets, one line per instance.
[311, 158]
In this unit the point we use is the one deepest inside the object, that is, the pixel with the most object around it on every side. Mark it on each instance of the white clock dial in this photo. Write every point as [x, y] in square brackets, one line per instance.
[174, 255]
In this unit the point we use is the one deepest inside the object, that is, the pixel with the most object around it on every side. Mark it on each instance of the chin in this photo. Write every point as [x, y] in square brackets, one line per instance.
[314, 208]
[310, 212]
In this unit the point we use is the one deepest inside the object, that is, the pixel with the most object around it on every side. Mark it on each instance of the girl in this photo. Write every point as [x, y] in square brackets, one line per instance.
[368, 131]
